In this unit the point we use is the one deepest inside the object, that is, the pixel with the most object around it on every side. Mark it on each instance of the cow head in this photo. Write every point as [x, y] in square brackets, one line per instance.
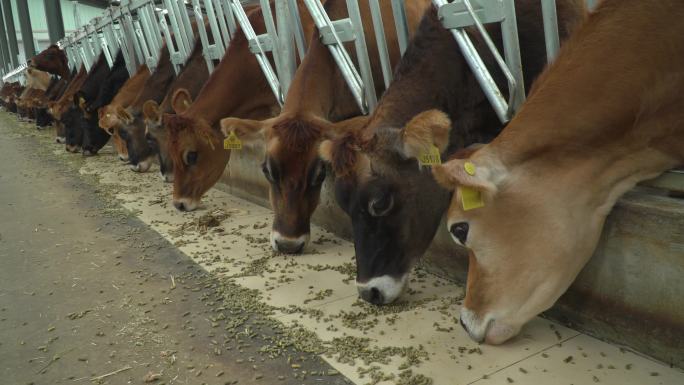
[132, 132]
[394, 204]
[525, 238]
[52, 60]
[73, 127]
[196, 152]
[293, 169]
[157, 138]
[108, 120]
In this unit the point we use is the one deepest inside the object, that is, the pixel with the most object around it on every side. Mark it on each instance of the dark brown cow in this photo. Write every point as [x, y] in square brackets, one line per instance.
[317, 97]
[586, 135]
[52, 60]
[59, 107]
[394, 204]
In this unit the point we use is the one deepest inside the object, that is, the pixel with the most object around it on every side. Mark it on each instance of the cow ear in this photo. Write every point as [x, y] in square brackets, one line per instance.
[246, 130]
[151, 111]
[427, 129]
[474, 173]
[181, 100]
[124, 115]
[325, 151]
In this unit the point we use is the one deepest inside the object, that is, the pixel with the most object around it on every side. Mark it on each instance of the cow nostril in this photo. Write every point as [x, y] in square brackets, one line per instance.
[372, 295]
[289, 247]
[180, 206]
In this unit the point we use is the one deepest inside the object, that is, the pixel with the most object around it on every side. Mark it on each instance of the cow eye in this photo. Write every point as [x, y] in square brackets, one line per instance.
[191, 158]
[319, 175]
[381, 206]
[459, 232]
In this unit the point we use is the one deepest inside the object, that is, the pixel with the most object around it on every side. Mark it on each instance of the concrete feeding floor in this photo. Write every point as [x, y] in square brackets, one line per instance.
[406, 343]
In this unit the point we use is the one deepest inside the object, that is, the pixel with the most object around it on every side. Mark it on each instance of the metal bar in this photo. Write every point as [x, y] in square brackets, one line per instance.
[362, 54]
[169, 42]
[260, 55]
[149, 58]
[379, 28]
[551, 37]
[213, 25]
[204, 39]
[25, 26]
[4, 52]
[340, 55]
[176, 26]
[220, 15]
[273, 35]
[401, 24]
[511, 44]
[55, 23]
[300, 39]
[285, 39]
[11, 37]
[230, 17]
[189, 34]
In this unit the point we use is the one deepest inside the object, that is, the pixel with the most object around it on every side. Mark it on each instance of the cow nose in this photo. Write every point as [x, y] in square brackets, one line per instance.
[463, 325]
[371, 295]
[123, 158]
[289, 246]
[180, 206]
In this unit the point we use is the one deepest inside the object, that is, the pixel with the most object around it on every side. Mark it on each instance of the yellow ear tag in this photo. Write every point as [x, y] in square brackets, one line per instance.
[232, 142]
[470, 198]
[430, 158]
[469, 168]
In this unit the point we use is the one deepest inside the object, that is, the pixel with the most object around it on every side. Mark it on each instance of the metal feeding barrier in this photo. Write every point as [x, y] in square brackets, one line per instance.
[278, 40]
[335, 33]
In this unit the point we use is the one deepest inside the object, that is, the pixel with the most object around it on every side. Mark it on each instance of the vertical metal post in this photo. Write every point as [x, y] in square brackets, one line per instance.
[379, 29]
[26, 31]
[551, 37]
[4, 53]
[13, 50]
[511, 44]
[362, 54]
[285, 42]
[401, 24]
[55, 23]
[300, 39]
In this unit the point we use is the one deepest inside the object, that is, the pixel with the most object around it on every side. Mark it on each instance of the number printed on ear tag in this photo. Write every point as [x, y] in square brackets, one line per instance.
[232, 142]
[470, 198]
[430, 158]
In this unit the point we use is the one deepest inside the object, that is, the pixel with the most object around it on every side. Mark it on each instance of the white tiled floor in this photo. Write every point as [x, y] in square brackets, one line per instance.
[319, 282]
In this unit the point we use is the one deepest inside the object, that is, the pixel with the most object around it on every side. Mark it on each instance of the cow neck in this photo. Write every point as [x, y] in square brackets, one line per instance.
[236, 88]
[592, 123]
[157, 84]
[192, 78]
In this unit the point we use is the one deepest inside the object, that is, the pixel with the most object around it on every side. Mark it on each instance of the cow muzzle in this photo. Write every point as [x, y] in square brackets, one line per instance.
[288, 245]
[185, 204]
[142, 166]
[486, 329]
[382, 290]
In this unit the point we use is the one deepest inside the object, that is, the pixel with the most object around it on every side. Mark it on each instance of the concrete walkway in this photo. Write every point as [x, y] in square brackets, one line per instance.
[127, 281]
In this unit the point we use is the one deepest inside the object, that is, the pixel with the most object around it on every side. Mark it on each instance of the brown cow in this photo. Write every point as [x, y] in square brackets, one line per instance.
[131, 127]
[237, 87]
[36, 83]
[318, 96]
[108, 117]
[52, 60]
[193, 76]
[530, 206]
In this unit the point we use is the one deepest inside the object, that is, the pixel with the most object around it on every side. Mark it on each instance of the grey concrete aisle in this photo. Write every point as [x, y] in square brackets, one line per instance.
[90, 293]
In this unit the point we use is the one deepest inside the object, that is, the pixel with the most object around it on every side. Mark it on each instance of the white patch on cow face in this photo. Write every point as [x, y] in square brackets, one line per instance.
[60, 139]
[387, 288]
[287, 245]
